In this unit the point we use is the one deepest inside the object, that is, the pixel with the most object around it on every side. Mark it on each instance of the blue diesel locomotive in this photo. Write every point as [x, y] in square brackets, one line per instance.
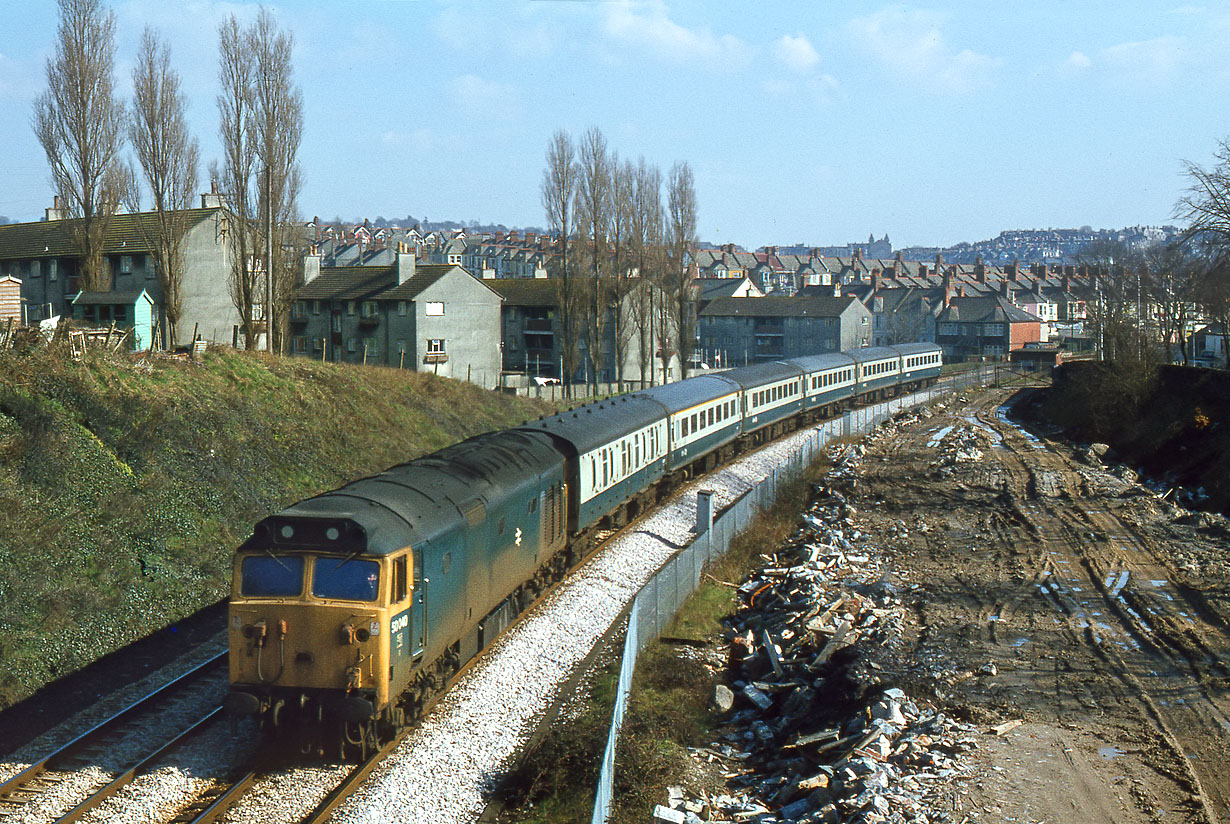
[349, 610]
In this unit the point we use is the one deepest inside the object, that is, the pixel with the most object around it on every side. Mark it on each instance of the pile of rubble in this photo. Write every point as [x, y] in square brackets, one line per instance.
[806, 741]
[964, 445]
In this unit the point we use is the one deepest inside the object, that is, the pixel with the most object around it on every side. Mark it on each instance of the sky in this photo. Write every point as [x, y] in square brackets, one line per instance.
[804, 122]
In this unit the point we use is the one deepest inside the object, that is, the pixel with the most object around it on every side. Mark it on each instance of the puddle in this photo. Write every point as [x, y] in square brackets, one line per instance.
[1160, 583]
[939, 436]
[1110, 753]
[1119, 585]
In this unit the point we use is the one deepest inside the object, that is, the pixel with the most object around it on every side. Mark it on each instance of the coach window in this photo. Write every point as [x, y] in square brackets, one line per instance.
[401, 586]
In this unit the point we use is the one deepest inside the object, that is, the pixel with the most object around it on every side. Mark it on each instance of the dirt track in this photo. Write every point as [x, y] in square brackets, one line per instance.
[1101, 613]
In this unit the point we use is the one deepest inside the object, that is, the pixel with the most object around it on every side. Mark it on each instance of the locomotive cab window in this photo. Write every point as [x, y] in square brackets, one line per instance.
[346, 579]
[401, 583]
[272, 576]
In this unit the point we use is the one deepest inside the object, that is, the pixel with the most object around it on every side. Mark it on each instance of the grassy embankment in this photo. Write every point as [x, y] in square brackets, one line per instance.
[125, 485]
[668, 709]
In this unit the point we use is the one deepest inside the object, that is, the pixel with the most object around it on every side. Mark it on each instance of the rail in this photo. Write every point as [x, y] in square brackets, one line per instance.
[18, 788]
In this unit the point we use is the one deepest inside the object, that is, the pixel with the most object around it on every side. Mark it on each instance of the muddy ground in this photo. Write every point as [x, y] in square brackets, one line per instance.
[1101, 609]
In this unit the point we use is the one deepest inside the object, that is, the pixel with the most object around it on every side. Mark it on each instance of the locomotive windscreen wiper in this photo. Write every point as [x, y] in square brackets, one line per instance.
[278, 560]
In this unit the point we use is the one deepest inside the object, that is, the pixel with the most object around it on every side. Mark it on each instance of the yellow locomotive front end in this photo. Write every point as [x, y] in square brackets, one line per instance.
[307, 641]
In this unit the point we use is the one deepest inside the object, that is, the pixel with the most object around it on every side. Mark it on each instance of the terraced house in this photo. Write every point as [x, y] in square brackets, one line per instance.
[427, 317]
[45, 259]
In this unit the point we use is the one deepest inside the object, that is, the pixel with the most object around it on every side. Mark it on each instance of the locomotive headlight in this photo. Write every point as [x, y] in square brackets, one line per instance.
[362, 634]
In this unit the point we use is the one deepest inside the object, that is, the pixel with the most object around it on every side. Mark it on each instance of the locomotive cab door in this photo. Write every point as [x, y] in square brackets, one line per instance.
[401, 628]
[418, 609]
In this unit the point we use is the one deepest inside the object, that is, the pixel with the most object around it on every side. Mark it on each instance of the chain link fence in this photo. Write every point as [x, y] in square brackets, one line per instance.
[660, 598]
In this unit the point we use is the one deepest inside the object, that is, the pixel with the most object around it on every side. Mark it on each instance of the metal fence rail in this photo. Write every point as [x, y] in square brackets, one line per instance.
[660, 598]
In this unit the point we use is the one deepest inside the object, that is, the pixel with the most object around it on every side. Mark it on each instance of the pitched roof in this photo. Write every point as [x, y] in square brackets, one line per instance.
[127, 234]
[372, 282]
[109, 298]
[778, 307]
[997, 309]
[526, 291]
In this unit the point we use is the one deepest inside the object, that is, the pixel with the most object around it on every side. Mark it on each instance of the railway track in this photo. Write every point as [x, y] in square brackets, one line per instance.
[99, 762]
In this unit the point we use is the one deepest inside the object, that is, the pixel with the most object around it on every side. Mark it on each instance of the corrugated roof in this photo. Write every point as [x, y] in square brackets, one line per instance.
[126, 234]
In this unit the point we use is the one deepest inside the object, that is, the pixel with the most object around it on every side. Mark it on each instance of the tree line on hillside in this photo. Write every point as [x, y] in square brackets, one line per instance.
[83, 125]
[623, 254]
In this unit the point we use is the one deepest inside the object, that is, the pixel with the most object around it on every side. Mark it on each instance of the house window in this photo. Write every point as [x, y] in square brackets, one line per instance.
[369, 308]
[435, 346]
[434, 309]
[401, 346]
[318, 343]
[337, 323]
[125, 264]
[51, 269]
[351, 344]
[402, 307]
[351, 307]
[300, 344]
[35, 268]
[315, 307]
[297, 309]
[147, 263]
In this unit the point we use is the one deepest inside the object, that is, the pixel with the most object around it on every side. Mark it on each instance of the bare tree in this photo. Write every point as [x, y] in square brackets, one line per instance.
[681, 240]
[558, 192]
[79, 121]
[1206, 208]
[1206, 205]
[623, 184]
[236, 112]
[594, 222]
[278, 123]
[261, 113]
[1173, 283]
[646, 252]
[169, 156]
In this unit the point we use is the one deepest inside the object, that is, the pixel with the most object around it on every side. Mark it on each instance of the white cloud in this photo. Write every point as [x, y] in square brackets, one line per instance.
[911, 45]
[1154, 61]
[796, 53]
[649, 26]
[1077, 61]
[476, 95]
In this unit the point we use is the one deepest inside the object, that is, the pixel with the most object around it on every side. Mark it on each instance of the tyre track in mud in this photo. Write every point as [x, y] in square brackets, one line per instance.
[1027, 565]
[1160, 644]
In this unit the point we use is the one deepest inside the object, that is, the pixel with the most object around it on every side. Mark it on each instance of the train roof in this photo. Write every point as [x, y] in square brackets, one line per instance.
[691, 392]
[411, 503]
[818, 363]
[597, 424]
[759, 374]
[873, 353]
[916, 348]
